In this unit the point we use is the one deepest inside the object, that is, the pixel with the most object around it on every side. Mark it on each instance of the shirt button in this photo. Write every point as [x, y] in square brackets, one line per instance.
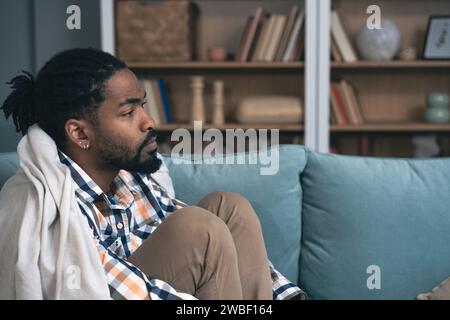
[119, 225]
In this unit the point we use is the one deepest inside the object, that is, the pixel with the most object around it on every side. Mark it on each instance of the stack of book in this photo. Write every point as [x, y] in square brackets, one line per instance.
[341, 46]
[345, 107]
[157, 106]
[272, 37]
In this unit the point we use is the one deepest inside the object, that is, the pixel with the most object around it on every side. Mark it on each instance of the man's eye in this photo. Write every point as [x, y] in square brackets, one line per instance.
[128, 114]
[143, 104]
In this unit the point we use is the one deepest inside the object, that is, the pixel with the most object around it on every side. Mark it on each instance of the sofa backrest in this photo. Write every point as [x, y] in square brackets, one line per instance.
[275, 198]
[9, 163]
[374, 228]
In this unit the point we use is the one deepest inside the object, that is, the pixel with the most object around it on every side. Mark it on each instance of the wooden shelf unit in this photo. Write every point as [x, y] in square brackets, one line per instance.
[392, 94]
[221, 23]
[393, 127]
[394, 64]
[363, 128]
[190, 127]
[199, 65]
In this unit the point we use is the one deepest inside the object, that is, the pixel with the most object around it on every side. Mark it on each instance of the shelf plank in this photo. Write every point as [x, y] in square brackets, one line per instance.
[367, 127]
[392, 127]
[190, 127]
[394, 64]
[215, 65]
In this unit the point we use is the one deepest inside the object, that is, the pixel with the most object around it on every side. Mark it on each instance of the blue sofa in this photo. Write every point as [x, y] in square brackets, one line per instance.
[341, 227]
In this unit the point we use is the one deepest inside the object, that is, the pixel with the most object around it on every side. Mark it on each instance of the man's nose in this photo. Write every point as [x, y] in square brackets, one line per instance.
[147, 121]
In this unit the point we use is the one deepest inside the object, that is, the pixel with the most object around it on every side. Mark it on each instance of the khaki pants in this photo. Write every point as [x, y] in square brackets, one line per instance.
[212, 251]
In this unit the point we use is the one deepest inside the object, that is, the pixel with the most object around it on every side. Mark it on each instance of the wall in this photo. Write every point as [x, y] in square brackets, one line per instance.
[31, 32]
[17, 47]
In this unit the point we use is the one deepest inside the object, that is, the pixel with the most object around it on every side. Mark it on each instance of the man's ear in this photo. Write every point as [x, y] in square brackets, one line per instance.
[79, 133]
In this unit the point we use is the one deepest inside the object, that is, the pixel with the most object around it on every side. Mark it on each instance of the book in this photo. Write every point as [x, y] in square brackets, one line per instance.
[337, 103]
[151, 106]
[334, 109]
[294, 38]
[263, 34]
[342, 40]
[254, 24]
[286, 33]
[356, 103]
[348, 102]
[275, 37]
[299, 47]
[165, 99]
[159, 102]
[239, 54]
[335, 53]
[265, 37]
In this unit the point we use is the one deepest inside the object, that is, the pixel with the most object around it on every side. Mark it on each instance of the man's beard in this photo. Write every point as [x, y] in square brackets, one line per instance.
[121, 156]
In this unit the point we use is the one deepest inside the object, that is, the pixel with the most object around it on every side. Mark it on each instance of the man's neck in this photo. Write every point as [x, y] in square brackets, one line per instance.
[101, 173]
[103, 178]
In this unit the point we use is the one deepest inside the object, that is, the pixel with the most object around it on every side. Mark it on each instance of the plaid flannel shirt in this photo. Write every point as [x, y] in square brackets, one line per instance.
[122, 219]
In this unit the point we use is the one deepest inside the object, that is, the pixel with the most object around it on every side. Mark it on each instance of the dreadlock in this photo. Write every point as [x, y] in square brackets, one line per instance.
[69, 86]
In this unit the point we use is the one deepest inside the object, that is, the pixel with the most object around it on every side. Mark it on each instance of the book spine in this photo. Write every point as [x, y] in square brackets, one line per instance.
[275, 38]
[252, 32]
[342, 39]
[289, 53]
[340, 103]
[165, 100]
[286, 33]
[151, 107]
[266, 39]
[159, 103]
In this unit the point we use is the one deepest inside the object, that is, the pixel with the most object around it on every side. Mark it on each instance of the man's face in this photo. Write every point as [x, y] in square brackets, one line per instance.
[124, 136]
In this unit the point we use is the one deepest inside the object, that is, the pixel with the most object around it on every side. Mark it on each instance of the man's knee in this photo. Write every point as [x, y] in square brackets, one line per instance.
[235, 202]
[195, 221]
[231, 198]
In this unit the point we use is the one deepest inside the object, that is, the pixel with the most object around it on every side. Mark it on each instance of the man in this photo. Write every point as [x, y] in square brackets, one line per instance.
[85, 218]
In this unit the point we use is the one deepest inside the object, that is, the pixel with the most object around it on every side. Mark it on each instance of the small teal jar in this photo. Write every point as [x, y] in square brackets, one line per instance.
[437, 107]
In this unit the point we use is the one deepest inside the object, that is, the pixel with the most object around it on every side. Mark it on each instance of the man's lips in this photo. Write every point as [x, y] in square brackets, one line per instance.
[151, 145]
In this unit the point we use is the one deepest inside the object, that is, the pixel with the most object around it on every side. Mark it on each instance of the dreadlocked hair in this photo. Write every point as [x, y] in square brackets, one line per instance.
[69, 86]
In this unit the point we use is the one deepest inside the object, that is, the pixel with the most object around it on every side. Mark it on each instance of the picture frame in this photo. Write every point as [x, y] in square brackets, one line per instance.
[437, 40]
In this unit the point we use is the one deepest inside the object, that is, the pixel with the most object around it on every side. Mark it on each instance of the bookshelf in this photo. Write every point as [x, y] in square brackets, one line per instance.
[417, 64]
[392, 127]
[198, 65]
[281, 127]
[391, 93]
[222, 23]
[240, 82]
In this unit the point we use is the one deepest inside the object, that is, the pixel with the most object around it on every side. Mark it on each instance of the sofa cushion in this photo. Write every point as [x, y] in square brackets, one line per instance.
[9, 163]
[374, 228]
[275, 198]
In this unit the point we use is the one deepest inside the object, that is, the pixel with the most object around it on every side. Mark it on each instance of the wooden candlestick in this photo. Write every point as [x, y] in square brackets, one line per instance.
[197, 107]
[218, 102]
